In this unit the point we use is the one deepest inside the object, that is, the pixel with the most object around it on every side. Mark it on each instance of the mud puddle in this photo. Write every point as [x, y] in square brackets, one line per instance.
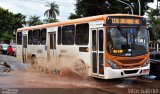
[63, 78]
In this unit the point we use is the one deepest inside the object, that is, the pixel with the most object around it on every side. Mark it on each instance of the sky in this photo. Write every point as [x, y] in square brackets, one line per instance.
[37, 7]
[154, 4]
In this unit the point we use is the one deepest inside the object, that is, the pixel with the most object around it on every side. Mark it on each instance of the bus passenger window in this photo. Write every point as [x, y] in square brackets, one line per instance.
[94, 47]
[30, 36]
[59, 35]
[100, 40]
[82, 34]
[19, 38]
[54, 39]
[36, 37]
[43, 36]
[68, 33]
[51, 41]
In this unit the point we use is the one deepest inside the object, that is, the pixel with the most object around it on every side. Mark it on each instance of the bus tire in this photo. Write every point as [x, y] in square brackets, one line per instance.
[80, 67]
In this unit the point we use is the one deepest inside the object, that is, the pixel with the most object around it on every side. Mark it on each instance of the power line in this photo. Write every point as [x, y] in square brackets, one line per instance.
[62, 3]
[59, 3]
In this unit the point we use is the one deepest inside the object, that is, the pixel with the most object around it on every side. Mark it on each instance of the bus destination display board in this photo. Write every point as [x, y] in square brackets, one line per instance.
[125, 21]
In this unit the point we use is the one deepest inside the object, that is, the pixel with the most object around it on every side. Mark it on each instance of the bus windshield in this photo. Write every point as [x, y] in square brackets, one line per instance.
[131, 41]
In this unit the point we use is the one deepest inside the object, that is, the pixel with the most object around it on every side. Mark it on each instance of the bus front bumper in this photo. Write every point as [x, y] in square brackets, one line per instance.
[110, 73]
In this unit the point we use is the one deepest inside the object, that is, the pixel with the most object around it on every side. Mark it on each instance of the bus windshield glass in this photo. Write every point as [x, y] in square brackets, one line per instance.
[127, 41]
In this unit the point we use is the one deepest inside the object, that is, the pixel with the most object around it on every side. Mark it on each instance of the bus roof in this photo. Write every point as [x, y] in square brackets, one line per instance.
[74, 21]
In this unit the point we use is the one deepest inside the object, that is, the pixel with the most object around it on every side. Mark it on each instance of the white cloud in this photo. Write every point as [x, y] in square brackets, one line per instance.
[37, 7]
[154, 4]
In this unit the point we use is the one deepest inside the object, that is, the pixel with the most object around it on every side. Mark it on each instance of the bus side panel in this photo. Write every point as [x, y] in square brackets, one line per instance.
[67, 54]
[40, 53]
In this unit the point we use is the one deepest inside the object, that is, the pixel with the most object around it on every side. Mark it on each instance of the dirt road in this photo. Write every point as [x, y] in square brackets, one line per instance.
[26, 81]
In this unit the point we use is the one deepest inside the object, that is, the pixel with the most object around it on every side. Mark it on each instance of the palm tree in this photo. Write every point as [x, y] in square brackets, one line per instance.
[53, 10]
[34, 20]
[50, 20]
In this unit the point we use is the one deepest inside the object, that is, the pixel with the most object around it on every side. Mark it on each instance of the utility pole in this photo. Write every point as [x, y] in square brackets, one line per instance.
[127, 5]
[139, 7]
[157, 9]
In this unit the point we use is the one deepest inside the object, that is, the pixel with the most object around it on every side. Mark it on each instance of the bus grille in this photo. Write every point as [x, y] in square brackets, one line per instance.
[133, 66]
[130, 71]
[131, 61]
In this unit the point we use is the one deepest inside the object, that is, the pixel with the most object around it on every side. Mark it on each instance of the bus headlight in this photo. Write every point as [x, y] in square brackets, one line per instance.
[146, 63]
[113, 65]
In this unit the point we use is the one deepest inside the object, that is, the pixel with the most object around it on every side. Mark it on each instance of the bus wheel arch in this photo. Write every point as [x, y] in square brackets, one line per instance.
[80, 67]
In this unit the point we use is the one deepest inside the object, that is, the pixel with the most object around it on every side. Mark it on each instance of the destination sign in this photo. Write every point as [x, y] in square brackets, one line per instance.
[125, 20]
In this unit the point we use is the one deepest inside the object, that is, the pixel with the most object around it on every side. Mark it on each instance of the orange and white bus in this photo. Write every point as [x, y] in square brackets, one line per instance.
[105, 46]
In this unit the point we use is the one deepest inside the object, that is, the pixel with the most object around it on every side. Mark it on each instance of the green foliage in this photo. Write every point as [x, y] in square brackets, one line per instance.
[19, 21]
[74, 16]
[6, 37]
[154, 22]
[53, 10]
[9, 23]
[86, 8]
[135, 5]
[34, 20]
[50, 20]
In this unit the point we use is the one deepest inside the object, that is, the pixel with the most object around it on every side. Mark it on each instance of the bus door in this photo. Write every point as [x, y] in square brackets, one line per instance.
[51, 45]
[97, 51]
[24, 52]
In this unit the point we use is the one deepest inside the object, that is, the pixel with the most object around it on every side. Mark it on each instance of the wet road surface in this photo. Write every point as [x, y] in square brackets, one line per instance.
[26, 81]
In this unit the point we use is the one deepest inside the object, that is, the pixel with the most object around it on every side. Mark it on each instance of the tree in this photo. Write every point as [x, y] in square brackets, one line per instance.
[9, 23]
[86, 8]
[154, 23]
[6, 20]
[73, 16]
[53, 10]
[50, 20]
[6, 37]
[19, 21]
[34, 20]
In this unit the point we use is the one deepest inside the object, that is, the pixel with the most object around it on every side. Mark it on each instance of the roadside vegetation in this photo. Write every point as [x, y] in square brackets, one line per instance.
[9, 22]
[154, 24]
[85, 8]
